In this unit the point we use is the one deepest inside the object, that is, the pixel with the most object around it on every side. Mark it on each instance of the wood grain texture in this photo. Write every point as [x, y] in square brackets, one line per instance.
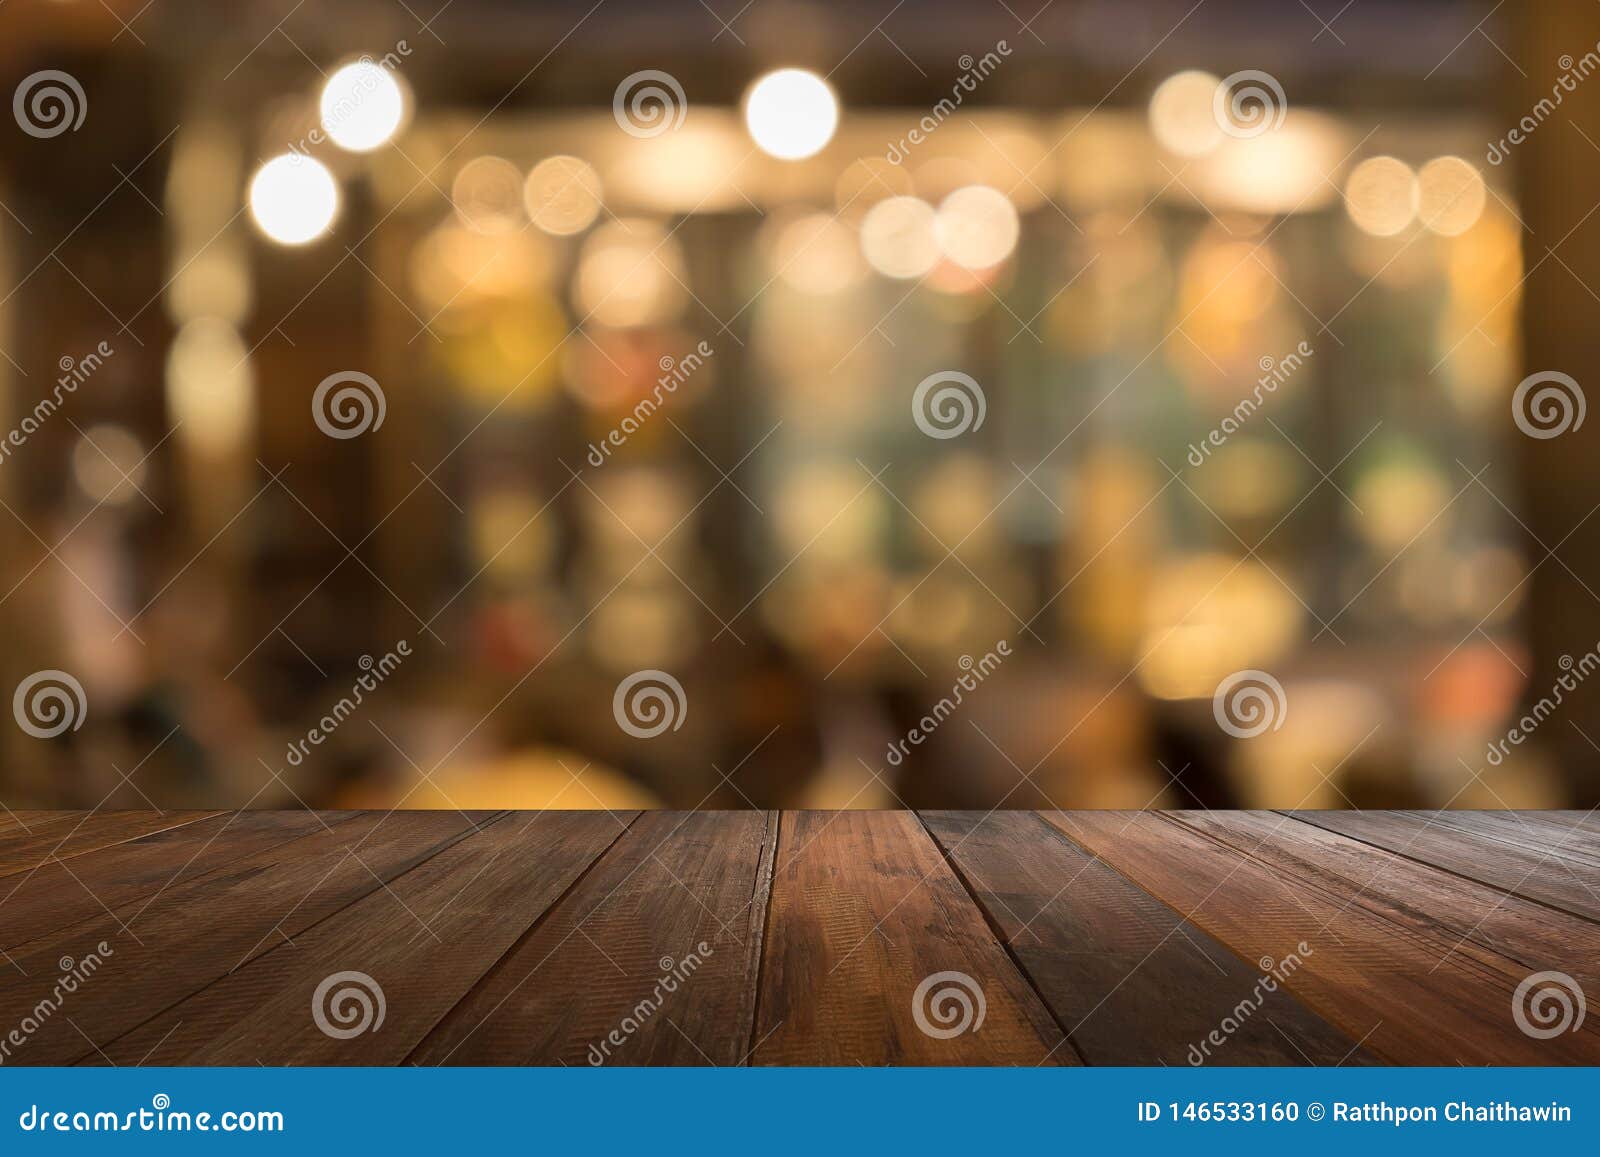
[658, 945]
[34, 904]
[1587, 821]
[90, 832]
[196, 932]
[864, 910]
[1130, 979]
[1547, 873]
[1580, 842]
[1414, 895]
[423, 942]
[510, 938]
[19, 822]
[1410, 995]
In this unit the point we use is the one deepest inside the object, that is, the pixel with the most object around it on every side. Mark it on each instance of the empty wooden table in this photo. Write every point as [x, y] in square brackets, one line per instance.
[837, 938]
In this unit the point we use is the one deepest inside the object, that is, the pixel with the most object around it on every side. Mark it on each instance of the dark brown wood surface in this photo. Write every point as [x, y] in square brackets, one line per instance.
[1129, 977]
[864, 910]
[1410, 993]
[680, 896]
[1000, 938]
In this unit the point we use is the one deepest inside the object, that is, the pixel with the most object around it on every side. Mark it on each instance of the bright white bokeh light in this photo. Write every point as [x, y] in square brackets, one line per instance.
[293, 199]
[977, 227]
[791, 113]
[362, 106]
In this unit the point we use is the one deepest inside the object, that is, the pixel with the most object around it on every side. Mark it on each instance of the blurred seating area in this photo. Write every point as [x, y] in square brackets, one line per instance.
[938, 407]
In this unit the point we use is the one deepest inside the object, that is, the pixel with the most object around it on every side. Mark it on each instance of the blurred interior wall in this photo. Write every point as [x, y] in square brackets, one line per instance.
[1559, 173]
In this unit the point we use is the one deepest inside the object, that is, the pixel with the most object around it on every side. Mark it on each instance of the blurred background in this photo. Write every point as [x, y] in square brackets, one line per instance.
[479, 403]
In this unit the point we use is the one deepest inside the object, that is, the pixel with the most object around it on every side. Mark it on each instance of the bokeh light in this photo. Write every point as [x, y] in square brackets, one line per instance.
[562, 195]
[293, 199]
[630, 272]
[108, 464]
[1451, 196]
[1182, 116]
[791, 113]
[815, 254]
[1381, 196]
[362, 106]
[487, 195]
[210, 387]
[977, 227]
[898, 237]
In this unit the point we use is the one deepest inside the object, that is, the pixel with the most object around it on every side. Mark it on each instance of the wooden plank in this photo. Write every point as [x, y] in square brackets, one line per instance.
[1588, 818]
[864, 912]
[22, 833]
[1411, 894]
[34, 904]
[1134, 982]
[17, 821]
[92, 831]
[1412, 995]
[85, 824]
[196, 932]
[1536, 875]
[422, 943]
[1522, 830]
[658, 944]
